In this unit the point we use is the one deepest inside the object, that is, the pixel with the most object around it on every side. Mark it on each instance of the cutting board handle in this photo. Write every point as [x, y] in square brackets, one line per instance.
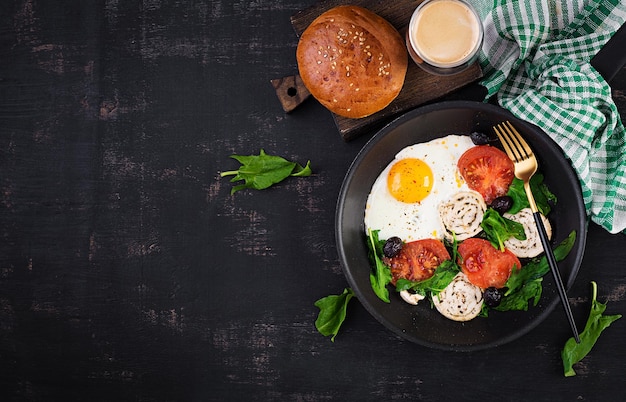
[291, 91]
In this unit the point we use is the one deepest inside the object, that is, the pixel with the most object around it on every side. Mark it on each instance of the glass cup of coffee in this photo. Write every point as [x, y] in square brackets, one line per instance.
[444, 36]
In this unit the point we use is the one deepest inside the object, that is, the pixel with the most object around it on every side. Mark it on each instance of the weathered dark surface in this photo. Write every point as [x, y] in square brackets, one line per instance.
[128, 271]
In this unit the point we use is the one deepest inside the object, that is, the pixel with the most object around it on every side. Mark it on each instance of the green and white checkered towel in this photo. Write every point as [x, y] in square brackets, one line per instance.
[536, 59]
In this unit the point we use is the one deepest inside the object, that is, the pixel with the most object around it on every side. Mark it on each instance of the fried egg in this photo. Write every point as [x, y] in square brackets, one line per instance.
[404, 198]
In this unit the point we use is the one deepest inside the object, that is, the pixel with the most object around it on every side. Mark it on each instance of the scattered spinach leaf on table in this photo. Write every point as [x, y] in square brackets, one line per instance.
[574, 352]
[262, 171]
[332, 313]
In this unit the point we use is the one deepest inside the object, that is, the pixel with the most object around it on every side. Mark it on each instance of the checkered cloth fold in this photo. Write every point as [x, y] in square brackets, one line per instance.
[536, 60]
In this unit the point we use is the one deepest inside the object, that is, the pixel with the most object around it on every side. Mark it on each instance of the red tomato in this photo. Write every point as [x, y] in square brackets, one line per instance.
[417, 260]
[484, 265]
[488, 170]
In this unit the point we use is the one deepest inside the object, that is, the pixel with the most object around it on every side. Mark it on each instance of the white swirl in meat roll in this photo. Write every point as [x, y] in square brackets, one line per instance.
[531, 247]
[462, 214]
[460, 300]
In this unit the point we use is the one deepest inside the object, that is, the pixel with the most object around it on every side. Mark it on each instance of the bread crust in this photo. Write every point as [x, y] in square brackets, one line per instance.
[352, 61]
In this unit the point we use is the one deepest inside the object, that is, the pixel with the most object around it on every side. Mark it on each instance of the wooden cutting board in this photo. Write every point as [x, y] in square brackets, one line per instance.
[419, 86]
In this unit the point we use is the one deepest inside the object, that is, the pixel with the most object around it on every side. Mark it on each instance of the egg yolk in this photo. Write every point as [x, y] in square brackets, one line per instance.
[410, 180]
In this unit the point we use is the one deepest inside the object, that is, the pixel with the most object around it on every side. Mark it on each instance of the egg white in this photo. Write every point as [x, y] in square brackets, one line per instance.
[414, 221]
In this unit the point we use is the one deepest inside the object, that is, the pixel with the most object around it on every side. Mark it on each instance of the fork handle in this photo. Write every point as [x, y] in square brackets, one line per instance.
[555, 272]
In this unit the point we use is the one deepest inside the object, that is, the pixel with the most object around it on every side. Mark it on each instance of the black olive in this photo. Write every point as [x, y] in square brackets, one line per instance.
[493, 296]
[392, 246]
[481, 138]
[502, 204]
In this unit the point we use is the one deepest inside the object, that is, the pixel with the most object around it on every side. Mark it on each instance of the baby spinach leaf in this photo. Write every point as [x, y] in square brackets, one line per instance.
[519, 300]
[332, 313]
[543, 196]
[380, 275]
[443, 275]
[574, 352]
[538, 267]
[525, 284]
[498, 229]
[262, 171]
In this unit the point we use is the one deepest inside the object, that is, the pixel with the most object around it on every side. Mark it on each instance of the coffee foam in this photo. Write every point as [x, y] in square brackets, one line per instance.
[445, 33]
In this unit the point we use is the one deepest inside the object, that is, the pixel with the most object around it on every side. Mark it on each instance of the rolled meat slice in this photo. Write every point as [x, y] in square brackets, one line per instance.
[462, 214]
[531, 247]
[460, 300]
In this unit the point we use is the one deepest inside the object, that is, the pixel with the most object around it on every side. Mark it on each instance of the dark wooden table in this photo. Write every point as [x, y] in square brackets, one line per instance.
[129, 272]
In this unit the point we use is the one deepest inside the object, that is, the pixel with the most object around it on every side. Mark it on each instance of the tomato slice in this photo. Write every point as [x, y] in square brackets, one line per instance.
[488, 170]
[417, 260]
[484, 265]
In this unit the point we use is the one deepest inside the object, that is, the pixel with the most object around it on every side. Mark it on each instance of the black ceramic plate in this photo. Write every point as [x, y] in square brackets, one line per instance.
[421, 324]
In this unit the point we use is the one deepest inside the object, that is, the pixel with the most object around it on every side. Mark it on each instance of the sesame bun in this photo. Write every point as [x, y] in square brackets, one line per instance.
[352, 61]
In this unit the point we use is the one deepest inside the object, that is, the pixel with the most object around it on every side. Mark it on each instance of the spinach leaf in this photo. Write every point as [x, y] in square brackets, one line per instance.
[380, 276]
[262, 171]
[574, 352]
[332, 313]
[526, 284]
[443, 275]
[445, 272]
[538, 267]
[543, 196]
[498, 229]
[519, 300]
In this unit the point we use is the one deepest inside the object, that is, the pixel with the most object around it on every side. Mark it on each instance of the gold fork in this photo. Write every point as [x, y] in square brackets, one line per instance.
[526, 164]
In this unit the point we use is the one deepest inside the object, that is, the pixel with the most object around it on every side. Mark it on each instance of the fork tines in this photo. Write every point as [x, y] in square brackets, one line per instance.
[512, 141]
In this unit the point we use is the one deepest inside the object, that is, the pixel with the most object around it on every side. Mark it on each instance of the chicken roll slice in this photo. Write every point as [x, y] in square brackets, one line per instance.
[531, 247]
[460, 300]
[462, 214]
